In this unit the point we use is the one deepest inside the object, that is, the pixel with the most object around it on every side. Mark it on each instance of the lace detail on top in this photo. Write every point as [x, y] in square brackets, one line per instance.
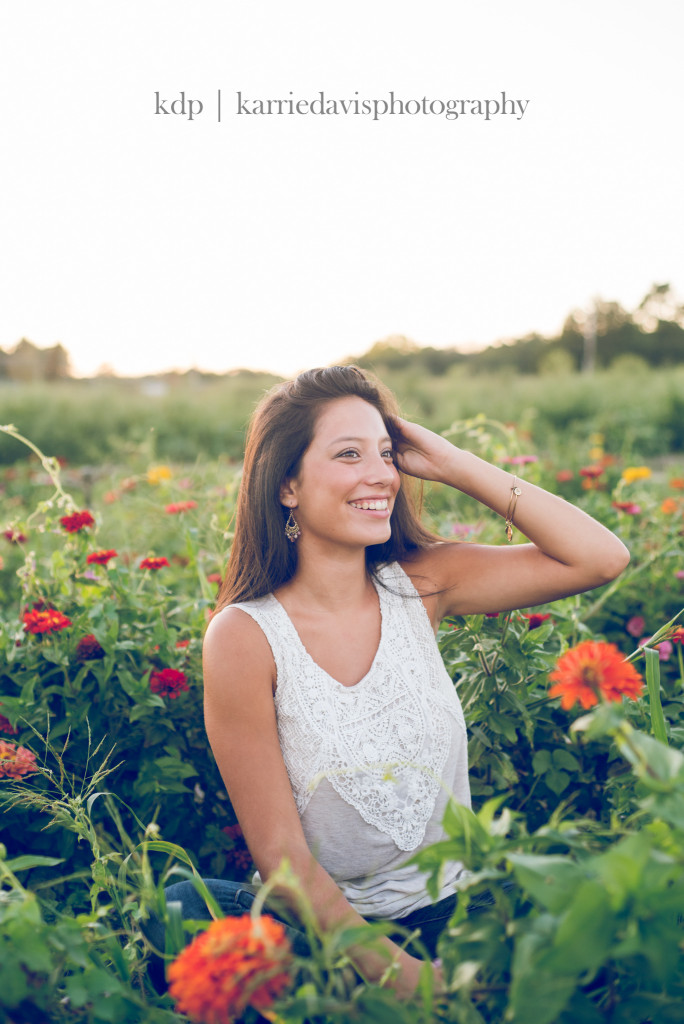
[382, 743]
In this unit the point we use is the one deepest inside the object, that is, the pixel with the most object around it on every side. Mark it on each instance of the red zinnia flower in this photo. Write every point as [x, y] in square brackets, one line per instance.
[47, 621]
[677, 635]
[594, 670]
[77, 521]
[182, 643]
[237, 962]
[591, 471]
[180, 506]
[153, 562]
[535, 619]
[100, 557]
[15, 761]
[627, 506]
[168, 682]
[239, 856]
[563, 475]
[15, 536]
[88, 649]
[6, 726]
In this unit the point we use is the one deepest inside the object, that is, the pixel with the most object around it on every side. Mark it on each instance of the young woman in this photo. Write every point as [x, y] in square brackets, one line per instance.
[335, 726]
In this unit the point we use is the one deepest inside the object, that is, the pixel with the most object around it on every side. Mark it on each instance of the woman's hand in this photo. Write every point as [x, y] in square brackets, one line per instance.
[420, 452]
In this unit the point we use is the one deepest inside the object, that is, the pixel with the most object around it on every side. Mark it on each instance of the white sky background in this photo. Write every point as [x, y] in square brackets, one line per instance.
[151, 242]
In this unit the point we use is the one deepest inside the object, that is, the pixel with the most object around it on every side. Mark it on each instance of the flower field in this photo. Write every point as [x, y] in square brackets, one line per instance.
[109, 791]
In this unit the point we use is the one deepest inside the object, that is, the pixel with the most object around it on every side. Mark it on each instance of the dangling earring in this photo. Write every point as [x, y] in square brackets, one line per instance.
[292, 530]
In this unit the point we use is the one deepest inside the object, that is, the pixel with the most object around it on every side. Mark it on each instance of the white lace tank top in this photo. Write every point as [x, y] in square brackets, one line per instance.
[371, 765]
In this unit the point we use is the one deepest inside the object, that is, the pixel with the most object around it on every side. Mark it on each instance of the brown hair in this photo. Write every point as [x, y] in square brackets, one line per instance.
[280, 431]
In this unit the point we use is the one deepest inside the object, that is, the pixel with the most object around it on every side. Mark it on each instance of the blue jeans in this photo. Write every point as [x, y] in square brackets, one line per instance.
[236, 898]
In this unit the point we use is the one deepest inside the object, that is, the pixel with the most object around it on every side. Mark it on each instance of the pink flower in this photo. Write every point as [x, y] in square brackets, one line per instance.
[520, 460]
[679, 575]
[636, 625]
[664, 648]
[563, 475]
[465, 529]
[627, 506]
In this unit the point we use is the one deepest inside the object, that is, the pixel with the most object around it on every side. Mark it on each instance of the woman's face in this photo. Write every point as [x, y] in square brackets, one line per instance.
[347, 481]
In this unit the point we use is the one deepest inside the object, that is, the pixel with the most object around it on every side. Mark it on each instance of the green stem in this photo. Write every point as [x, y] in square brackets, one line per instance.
[49, 463]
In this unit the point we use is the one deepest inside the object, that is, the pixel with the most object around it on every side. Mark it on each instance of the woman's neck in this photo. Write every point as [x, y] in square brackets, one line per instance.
[333, 580]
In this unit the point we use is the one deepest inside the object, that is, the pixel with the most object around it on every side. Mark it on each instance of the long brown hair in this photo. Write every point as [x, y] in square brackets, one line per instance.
[281, 430]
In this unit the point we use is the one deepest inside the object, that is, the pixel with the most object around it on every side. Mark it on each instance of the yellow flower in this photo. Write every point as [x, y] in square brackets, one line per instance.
[597, 439]
[596, 453]
[157, 474]
[632, 473]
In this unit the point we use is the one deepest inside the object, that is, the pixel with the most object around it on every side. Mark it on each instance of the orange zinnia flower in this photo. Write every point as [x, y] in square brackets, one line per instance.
[594, 670]
[179, 506]
[45, 621]
[237, 962]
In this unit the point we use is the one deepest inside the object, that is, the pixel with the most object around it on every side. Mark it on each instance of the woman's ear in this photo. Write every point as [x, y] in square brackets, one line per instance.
[287, 494]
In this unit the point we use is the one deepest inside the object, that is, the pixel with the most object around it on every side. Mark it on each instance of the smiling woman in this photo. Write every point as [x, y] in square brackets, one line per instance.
[336, 728]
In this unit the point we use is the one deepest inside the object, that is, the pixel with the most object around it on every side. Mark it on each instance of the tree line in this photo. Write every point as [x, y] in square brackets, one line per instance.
[595, 338]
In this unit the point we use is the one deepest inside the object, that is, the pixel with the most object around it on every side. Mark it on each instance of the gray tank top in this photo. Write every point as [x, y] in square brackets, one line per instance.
[373, 765]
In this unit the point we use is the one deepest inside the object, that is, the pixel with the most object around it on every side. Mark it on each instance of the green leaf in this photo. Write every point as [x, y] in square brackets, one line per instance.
[550, 880]
[541, 762]
[655, 705]
[27, 861]
[564, 759]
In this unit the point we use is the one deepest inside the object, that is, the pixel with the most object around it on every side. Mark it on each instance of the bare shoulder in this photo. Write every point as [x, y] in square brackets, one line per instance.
[235, 649]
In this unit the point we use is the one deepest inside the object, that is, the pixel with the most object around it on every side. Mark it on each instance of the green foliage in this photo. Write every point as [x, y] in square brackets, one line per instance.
[578, 828]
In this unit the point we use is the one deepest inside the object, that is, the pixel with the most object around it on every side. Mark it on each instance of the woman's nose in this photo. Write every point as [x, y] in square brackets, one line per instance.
[382, 471]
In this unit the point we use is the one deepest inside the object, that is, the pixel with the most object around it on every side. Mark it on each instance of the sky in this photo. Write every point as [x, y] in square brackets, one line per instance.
[149, 241]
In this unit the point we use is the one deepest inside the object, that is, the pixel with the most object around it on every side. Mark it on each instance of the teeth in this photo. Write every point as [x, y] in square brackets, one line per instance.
[374, 506]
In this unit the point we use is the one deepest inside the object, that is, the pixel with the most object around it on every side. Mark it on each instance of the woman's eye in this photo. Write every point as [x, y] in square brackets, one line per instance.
[349, 451]
[388, 453]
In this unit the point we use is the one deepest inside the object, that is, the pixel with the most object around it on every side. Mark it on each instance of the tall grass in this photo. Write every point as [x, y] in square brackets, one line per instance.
[639, 410]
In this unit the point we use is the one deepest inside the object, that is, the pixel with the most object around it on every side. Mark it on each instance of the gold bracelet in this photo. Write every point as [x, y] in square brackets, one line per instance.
[515, 491]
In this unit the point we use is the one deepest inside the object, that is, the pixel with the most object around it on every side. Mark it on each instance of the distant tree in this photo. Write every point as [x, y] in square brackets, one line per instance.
[24, 362]
[55, 363]
[660, 304]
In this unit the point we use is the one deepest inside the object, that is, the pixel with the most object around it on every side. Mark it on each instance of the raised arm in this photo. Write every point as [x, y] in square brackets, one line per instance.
[239, 681]
[569, 551]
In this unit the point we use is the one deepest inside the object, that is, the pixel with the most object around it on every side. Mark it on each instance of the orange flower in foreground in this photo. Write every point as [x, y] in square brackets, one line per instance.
[669, 506]
[591, 671]
[15, 761]
[237, 962]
